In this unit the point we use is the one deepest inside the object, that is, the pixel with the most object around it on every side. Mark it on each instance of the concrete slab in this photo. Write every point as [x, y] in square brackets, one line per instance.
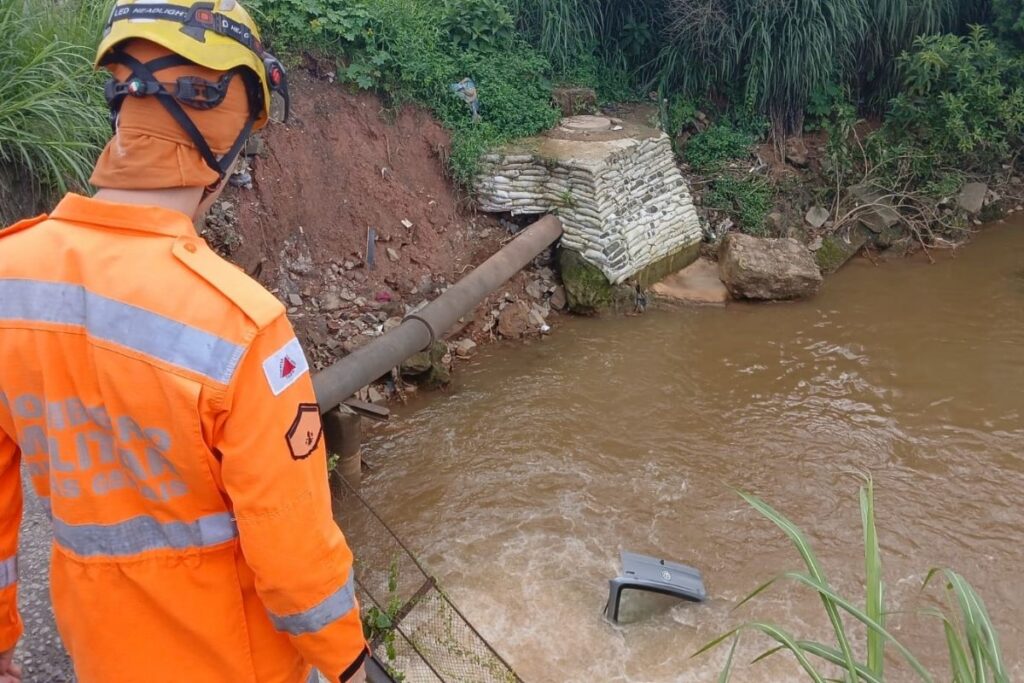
[698, 283]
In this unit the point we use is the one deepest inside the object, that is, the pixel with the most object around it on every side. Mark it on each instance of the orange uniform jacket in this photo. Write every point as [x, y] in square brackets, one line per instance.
[164, 412]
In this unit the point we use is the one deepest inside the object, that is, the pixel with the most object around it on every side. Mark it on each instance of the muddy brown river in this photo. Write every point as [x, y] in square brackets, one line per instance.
[519, 487]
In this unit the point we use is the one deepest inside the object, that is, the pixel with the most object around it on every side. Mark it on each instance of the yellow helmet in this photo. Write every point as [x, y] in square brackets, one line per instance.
[215, 34]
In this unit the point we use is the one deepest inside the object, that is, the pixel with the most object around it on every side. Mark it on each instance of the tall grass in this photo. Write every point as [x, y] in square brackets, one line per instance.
[972, 643]
[773, 54]
[52, 115]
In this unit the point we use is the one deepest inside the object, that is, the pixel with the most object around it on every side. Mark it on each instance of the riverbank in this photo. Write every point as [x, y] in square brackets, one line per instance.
[348, 216]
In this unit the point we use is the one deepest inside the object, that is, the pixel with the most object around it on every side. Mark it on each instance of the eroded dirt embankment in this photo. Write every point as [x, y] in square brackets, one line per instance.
[344, 165]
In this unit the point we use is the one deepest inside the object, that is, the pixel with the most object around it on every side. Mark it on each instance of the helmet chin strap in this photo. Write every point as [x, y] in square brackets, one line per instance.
[147, 84]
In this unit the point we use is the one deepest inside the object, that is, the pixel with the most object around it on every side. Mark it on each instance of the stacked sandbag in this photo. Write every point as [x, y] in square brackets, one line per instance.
[623, 203]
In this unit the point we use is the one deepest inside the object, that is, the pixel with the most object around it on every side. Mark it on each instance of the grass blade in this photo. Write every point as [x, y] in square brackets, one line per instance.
[874, 601]
[803, 547]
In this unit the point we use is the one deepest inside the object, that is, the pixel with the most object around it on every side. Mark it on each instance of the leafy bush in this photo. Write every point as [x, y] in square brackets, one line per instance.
[748, 200]
[478, 24]
[971, 640]
[709, 151]
[48, 82]
[962, 107]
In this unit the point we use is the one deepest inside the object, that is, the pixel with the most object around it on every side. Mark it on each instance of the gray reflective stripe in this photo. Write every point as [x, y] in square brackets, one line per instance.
[8, 571]
[140, 534]
[44, 501]
[120, 323]
[314, 677]
[340, 603]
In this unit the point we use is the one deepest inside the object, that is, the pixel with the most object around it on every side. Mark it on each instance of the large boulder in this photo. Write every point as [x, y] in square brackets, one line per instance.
[767, 268]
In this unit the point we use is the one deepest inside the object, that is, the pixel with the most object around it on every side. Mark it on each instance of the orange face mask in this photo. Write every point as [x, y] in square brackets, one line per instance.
[150, 150]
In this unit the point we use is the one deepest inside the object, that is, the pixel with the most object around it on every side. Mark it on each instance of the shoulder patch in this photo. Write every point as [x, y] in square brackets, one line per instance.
[306, 429]
[256, 302]
[22, 225]
[285, 366]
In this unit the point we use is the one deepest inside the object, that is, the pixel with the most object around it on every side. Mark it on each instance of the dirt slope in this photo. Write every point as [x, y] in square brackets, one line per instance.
[341, 165]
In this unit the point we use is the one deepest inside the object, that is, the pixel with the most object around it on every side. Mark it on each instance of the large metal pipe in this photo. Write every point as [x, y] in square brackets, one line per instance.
[418, 331]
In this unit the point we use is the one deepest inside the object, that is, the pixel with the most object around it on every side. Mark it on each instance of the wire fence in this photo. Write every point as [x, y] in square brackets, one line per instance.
[416, 632]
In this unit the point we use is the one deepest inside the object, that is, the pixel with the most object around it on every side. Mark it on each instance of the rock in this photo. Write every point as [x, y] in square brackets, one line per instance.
[698, 283]
[817, 216]
[767, 268]
[330, 301]
[880, 215]
[514, 321]
[391, 323]
[406, 223]
[428, 367]
[574, 101]
[464, 348]
[972, 197]
[557, 299]
[242, 180]
[294, 299]
[534, 289]
[254, 146]
[838, 248]
[349, 265]
[796, 152]
[347, 295]
[356, 342]
[776, 222]
[392, 254]
[537, 316]
[371, 394]
[816, 243]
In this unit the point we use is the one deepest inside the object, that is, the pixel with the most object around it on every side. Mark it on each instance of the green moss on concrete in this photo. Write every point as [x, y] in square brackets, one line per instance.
[673, 263]
[588, 290]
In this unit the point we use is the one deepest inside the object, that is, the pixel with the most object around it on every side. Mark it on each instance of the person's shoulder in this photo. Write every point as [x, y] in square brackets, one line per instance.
[22, 225]
[250, 297]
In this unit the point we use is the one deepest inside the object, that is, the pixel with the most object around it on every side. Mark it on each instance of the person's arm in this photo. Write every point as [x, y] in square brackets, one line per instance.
[274, 468]
[10, 520]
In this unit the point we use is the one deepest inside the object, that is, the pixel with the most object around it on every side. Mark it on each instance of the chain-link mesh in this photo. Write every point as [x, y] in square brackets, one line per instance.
[416, 631]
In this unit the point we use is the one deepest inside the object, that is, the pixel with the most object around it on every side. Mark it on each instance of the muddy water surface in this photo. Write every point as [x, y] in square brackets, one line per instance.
[520, 486]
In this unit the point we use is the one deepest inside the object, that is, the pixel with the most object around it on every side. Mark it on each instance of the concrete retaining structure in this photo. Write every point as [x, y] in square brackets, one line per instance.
[623, 203]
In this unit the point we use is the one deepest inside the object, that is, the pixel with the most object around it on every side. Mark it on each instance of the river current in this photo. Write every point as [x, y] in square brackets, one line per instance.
[519, 486]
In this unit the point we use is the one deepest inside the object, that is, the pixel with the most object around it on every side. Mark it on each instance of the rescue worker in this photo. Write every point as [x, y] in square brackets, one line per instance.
[158, 398]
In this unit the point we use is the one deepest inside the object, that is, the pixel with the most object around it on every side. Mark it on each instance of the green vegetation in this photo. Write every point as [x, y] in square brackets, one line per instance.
[961, 107]
[379, 624]
[971, 640]
[721, 143]
[950, 96]
[414, 51]
[52, 116]
[747, 200]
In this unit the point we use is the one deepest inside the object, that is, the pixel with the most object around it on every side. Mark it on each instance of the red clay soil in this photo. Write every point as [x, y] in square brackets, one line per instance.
[341, 165]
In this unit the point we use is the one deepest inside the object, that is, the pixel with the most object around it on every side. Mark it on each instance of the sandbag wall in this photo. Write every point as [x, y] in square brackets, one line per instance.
[623, 202]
